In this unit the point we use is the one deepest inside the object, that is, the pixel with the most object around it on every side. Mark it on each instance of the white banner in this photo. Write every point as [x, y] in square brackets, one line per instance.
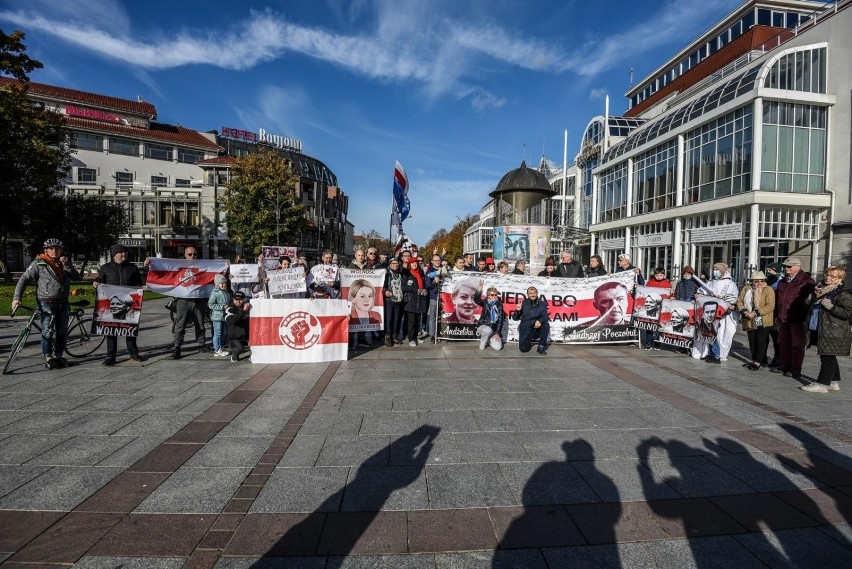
[273, 253]
[298, 331]
[117, 311]
[709, 310]
[183, 278]
[242, 274]
[323, 277]
[364, 288]
[286, 281]
[648, 305]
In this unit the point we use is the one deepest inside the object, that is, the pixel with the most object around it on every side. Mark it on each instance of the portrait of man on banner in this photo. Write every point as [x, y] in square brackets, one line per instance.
[117, 311]
[273, 253]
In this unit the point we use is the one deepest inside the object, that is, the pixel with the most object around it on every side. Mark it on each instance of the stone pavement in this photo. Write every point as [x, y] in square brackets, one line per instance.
[436, 456]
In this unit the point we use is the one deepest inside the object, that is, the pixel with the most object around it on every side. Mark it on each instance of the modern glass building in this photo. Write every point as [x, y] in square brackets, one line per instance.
[740, 149]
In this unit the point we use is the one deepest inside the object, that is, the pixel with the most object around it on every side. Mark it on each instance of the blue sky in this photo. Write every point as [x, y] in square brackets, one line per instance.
[458, 91]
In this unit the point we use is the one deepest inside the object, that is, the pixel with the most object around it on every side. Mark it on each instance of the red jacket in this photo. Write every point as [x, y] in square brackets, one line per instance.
[659, 284]
[790, 307]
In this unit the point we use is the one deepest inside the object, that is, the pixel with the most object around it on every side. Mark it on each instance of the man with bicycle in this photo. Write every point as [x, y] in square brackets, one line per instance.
[122, 273]
[52, 278]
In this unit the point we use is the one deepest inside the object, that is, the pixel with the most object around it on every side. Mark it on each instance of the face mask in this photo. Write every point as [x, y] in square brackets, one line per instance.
[717, 273]
[687, 277]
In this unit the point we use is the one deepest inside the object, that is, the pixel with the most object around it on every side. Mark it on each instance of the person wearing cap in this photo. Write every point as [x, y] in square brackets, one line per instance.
[52, 278]
[219, 300]
[549, 268]
[237, 323]
[624, 264]
[756, 305]
[569, 268]
[721, 286]
[490, 265]
[828, 324]
[119, 271]
[791, 312]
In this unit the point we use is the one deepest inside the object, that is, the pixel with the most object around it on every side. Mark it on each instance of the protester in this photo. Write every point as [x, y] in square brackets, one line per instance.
[596, 267]
[490, 265]
[756, 305]
[359, 261]
[373, 258]
[549, 268]
[237, 322]
[458, 265]
[773, 273]
[383, 259]
[482, 265]
[534, 323]
[624, 264]
[464, 305]
[394, 304]
[503, 268]
[436, 273]
[119, 271]
[520, 268]
[187, 309]
[791, 313]
[53, 287]
[491, 319]
[660, 281]
[468, 262]
[219, 300]
[569, 268]
[828, 324]
[415, 287]
[686, 287]
[320, 284]
[721, 286]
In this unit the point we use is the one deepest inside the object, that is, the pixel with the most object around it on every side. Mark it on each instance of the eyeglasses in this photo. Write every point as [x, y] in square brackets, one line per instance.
[491, 295]
[190, 255]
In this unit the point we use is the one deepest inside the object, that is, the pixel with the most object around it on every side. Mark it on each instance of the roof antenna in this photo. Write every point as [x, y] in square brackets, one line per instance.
[524, 152]
[631, 77]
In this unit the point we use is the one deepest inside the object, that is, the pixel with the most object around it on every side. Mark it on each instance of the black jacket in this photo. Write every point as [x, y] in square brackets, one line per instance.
[125, 274]
[414, 300]
[600, 271]
[237, 323]
[485, 316]
[572, 270]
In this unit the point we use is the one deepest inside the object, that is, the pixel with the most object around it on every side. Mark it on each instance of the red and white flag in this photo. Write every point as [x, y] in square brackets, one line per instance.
[184, 278]
[292, 331]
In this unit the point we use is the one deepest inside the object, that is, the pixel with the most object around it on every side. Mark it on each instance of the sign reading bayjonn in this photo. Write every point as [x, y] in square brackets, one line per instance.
[279, 141]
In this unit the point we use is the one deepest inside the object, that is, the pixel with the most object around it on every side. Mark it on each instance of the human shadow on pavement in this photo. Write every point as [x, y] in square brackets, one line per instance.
[546, 523]
[776, 504]
[367, 494]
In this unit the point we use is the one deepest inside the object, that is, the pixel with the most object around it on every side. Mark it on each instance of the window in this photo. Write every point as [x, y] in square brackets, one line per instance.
[158, 151]
[85, 141]
[124, 179]
[764, 17]
[134, 212]
[193, 217]
[124, 146]
[802, 70]
[159, 181]
[654, 175]
[149, 212]
[188, 156]
[793, 153]
[612, 197]
[181, 183]
[167, 214]
[86, 175]
[718, 157]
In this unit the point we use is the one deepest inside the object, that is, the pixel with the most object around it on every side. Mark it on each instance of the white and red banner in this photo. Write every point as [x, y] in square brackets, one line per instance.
[286, 281]
[677, 323]
[648, 306]
[298, 331]
[117, 311]
[709, 310]
[364, 288]
[183, 278]
[272, 255]
[242, 274]
[593, 310]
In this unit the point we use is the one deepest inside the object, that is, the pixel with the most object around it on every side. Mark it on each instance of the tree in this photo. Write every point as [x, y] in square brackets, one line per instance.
[453, 240]
[373, 238]
[261, 205]
[34, 147]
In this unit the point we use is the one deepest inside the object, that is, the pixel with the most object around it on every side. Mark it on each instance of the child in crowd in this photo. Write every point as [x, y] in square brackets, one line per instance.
[237, 321]
[219, 300]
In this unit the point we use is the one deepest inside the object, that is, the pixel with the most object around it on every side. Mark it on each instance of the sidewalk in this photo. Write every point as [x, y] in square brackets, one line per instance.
[435, 456]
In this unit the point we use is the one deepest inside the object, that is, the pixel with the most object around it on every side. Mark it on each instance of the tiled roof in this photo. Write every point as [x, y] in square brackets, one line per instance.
[219, 160]
[158, 131]
[127, 105]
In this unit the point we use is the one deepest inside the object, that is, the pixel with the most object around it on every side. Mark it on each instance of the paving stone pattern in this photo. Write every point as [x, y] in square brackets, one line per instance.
[435, 456]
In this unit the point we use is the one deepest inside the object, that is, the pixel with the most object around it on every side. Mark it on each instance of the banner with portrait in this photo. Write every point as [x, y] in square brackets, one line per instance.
[298, 331]
[677, 323]
[183, 278]
[243, 274]
[364, 289]
[273, 253]
[117, 311]
[709, 311]
[321, 280]
[593, 310]
[286, 281]
[648, 305]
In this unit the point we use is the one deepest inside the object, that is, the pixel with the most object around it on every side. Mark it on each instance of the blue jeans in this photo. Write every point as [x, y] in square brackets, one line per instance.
[219, 341]
[714, 349]
[54, 327]
[648, 338]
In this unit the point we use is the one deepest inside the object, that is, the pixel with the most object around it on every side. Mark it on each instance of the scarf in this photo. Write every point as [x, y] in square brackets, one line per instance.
[492, 307]
[57, 267]
[831, 291]
[418, 276]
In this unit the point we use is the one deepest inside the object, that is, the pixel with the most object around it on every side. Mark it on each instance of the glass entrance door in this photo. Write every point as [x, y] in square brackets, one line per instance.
[707, 255]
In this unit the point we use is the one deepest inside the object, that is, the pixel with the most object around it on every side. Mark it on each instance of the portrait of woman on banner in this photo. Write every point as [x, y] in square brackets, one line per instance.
[363, 299]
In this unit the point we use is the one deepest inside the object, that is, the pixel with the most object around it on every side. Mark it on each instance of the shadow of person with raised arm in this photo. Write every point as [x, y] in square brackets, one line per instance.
[545, 523]
[366, 495]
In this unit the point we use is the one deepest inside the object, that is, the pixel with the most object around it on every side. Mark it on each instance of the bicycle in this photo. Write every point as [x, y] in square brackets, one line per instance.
[80, 342]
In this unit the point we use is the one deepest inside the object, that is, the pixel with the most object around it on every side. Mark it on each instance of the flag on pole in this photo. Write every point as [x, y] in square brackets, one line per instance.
[401, 205]
[183, 278]
[298, 331]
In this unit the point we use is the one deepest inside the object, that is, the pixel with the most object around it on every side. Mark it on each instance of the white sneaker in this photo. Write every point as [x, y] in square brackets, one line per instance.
[412, 343]
[483, 342]
[834, 386]
[815, 388]
[218, 353]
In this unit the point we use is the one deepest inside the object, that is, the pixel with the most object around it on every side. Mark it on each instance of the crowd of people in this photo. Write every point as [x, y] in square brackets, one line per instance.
[782, 305]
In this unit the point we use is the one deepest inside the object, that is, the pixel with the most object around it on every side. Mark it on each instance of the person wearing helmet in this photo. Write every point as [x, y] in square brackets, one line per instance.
[52, 278]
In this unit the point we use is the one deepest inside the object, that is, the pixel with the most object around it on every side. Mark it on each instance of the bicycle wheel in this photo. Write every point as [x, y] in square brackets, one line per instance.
[17, 347]
[80, 342]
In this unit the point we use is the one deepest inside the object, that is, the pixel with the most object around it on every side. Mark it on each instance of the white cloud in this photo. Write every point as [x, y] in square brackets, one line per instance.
[598, 93]
[481, 100]
[275, 109]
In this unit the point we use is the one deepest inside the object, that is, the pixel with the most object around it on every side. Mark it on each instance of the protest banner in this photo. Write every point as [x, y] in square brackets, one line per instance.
[593, 310]
[117, 311]
[272, 255]
[646, 309]
[677, 323]
[364, 288]
[323, 278]
[709, 310]
[286, 281]
[183, 278]
[298, 331]
[243, 274]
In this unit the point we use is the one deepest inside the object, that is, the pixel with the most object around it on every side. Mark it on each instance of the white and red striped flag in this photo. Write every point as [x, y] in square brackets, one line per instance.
[298, 331]
[183, 278]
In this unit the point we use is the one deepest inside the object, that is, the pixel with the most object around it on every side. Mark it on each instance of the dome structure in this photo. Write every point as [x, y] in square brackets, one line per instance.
[522, 188]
